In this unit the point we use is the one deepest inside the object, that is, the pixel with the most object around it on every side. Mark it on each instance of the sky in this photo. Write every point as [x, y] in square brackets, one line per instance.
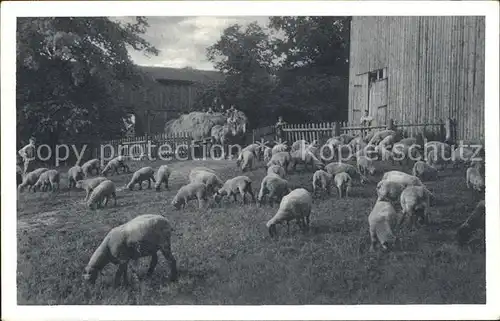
[182, 40]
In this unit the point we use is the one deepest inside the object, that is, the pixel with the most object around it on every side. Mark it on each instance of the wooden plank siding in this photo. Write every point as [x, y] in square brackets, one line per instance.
[435, 69]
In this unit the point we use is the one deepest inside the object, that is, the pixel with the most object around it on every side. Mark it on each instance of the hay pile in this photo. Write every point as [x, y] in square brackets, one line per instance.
[200, 124]
[197, 123]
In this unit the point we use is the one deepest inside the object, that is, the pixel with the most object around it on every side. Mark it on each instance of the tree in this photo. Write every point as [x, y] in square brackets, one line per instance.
[245, 56]
[69, 71]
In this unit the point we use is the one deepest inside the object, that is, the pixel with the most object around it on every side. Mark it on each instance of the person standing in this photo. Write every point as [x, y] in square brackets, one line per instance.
[366, 121]
[27, 154]
[280, 134]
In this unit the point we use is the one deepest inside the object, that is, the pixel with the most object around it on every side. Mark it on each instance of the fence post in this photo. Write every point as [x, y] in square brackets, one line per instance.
[391, 125]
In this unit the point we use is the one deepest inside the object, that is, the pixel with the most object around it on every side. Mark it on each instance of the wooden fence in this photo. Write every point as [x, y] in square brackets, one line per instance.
[322, 131]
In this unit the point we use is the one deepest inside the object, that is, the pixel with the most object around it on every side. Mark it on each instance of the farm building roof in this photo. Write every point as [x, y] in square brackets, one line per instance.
[188, 75]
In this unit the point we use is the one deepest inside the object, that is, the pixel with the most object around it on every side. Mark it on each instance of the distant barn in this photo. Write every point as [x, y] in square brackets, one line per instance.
[165, 94]
[419, 70]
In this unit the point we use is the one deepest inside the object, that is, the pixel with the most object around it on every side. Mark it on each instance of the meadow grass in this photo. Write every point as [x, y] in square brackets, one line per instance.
[225, 255]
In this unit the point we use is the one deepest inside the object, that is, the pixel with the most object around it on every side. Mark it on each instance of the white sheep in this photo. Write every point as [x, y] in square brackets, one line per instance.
[268, 153]
[389, 191]
[382, 220]
[357, 144]
[346, 138]
[365, 165]
[343, 183]
[425, 171]
[114, 164]
[322, 181]
[307, 158]
[402, 178]
[278, 148]
[101, 194]
[276, 169]
[475, 221]
[282, 159]
[142, 236]
[233, 186]
[335, 168]
[90, 165]
[415, 202]
[299, 145]
[141, 175]
[294, 206]
[75, 174]
[380, 135]
[89, 184]
[162, 176]
[191, 191]
[31, 178]
[210, 179]
[474, 179]
[48, 178]
[246, 160]
[387, 142]
[253, 148]
[273, 186]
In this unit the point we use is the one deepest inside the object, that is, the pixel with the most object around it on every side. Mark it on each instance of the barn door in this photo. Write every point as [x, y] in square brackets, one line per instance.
[378, 101]
[359, 97]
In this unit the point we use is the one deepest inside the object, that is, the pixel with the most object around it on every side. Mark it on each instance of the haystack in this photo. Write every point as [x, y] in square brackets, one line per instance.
[197, 123]
[200, 124]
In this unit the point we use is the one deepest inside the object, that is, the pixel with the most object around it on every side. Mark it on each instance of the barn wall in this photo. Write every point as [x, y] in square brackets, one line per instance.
[435, 68]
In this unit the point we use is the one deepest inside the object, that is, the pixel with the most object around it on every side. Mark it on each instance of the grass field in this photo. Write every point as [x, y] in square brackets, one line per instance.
[225, 255]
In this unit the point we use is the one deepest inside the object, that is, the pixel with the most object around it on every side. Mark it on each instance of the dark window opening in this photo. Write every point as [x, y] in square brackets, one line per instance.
[378, 74]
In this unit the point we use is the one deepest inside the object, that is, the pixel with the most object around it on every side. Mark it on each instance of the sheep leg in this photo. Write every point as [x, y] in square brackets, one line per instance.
[403, 216]
[249, 190]
[140, 185]
[167, 253]
[152, 265]
[149, 183]
[235, 198]
[87, 194]
[166, 183]
[114, 197]
[106, 199]
[374, 240]
[122, 270]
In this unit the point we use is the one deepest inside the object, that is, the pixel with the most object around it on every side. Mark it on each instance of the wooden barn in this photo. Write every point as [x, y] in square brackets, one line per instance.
[165, 94]
[419, 70]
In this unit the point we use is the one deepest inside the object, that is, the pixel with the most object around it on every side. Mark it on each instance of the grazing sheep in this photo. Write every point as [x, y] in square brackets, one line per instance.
[276, 169]
[408, 141]
[357, 144]
[474, 222]
[387, 142]
[75, 174]
[31, 178]
[405, 152]
[191, 191]
[253, 148]
[141, 175]
[343, 182]
[19, 175]
[346, 138]
[335, 168]
[425, 171]
[268, 153]
[307, 158]
[273, 185]
[282, 159]
[438, 153]
[380, 135]
[365, 165]
[114, 164]
[415, 203]
[278, 148]
[233, 186]
[246, 161]
[144, 235]
[300, 144]
[474, 179]
[402, 178]
[210, 179]
[90, 165]
[389, 191]
[102, 193]
[162, 176]
[48, 178]
[322, 181]
[382, 220]
[89, 184]
[294, 206]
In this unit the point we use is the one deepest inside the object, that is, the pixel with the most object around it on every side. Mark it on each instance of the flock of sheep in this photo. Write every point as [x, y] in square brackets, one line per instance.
[147, 234]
